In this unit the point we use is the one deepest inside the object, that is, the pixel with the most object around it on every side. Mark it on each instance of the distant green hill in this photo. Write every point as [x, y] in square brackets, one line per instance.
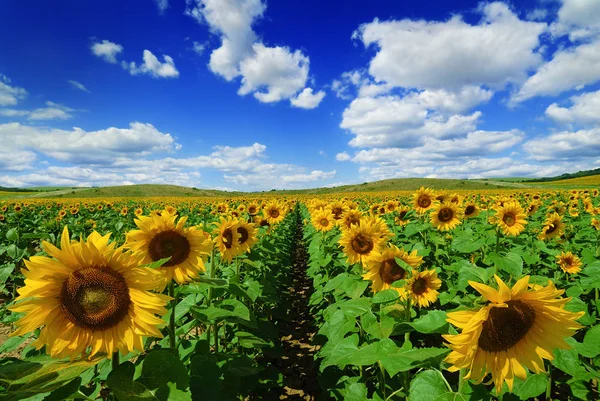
[566, 176]
[133, 191]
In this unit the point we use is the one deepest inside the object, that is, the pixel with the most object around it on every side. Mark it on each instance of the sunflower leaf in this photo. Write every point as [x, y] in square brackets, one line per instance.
[158, 263]
[533, 386]
[385, 296]
[426, 385]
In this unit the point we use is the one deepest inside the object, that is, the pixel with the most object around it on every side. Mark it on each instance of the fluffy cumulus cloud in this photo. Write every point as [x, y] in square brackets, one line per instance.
[52, 111]
[271, 74]
[10, 95]
[566, 146]
[501, 48]
[568, 69]
[153, 67]
[580, 19]
[107, 50]
[583, 111]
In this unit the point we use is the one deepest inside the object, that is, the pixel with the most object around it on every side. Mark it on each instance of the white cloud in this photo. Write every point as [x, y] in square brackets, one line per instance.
[342, 157]
[162, 5]
[53, 111]
[153, 67]
[79, 146]
[537, 14]
[565, 145]
[232, 20]
[198, 48]
[273, 73]
[79, 85]
[307, 99]
[10, 95]
[107, 50]
[315, 175]
[579, 18]
[13, 113]
[569, 68]
[452, 54]
[585, 110]
[16, 160]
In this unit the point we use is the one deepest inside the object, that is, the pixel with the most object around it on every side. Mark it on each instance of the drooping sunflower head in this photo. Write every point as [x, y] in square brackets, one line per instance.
[338, 208]
[471, 210]
[160, 236]
[422, 287]
[423, 200]
[553, 227]
[569, 262]
[247, 238]
[227, 238]
[510, 218]
[361, 241]
[384, 270]
[444, 216]
[89, 297]
[516, 329]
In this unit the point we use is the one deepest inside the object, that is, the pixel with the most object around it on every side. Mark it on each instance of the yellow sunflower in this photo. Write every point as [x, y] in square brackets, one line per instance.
[423, 200]
[517, 328]
[383, 269]
[227, 238]
[595, 223]
[350, 217]
[553, 227]
[274, 212]
[400, 218]
[89, 297]
[422, 287]
[160, 236]
[248, 237]
[323, 220]
[444, 216]
[253, 209]
[471, 210]
[510, 217]
[569, 262]
[360, 241]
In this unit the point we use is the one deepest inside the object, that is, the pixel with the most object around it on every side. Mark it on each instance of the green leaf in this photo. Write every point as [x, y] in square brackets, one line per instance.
[355, 307]
[432, 322]
[378, 329]
[205, 383]
[160, 368]
[385, 296]
[5, 272]
[120, 381]
[249, 340]
[12, 235]
[533, 386]
[12, 343]
[339, 353]
[451, 397]
[356, 392]
[590, 348]
[158, 263]
[372, 353]
[412, 358]
[217, 282]
[335, 282]
[427, 385]
[512, 263]
[65, 391]
[230, 310]
[355, 288]
[42, 374]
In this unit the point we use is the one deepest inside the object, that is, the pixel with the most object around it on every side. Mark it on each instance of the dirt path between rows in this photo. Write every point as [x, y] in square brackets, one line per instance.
[297, 331]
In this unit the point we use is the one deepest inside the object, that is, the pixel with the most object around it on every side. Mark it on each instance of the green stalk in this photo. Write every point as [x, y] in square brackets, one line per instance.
[549, 386]
[407, 339]
[461, 380]
[382, 383]
[172, 338]
[115, 360]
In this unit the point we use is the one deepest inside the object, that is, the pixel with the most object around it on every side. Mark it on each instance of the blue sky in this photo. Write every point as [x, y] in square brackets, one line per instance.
[255, 95]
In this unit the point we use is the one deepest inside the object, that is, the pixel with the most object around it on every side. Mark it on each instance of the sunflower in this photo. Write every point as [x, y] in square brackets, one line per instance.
[124, 211]
[569, 263]
[323, 220]
[423, 200]
[338, 209]
[139, 212]
[350, 217]
[444, 216]
[471, 210]
[1, 217]
[595, 223]
[361, 241]
[247, 237]
[383, 269]
[553, 227]
[160, 237]
[227, 238]
[89, 295]
[574, 212]
[253, 209]
[422, 287]
[532, 208]
[400, 218]
[510, 217]
[517, 328]
[274, 212]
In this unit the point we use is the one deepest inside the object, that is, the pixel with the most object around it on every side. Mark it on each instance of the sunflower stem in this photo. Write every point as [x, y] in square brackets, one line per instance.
[461, 380]
[382, 383]
[115, 360]
[549, 386]
[172, 338]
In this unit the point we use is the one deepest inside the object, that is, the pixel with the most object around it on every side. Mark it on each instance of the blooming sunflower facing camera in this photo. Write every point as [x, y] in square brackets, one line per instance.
[517, 329]
[510, 218]
[422, 287]
[89, 298]
[444, 216]
[361, 241]
[160, 236]
[569, 263]
[383, 270]
[228, 238]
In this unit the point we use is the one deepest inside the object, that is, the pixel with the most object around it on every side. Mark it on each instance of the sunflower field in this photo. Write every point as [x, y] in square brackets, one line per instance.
[425, 295]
